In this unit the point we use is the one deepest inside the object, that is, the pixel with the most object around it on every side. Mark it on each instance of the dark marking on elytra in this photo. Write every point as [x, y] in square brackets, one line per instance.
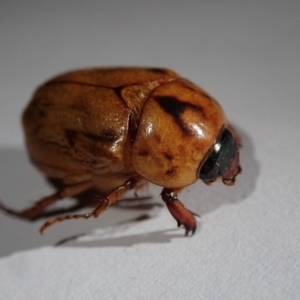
[192, 87]
[170, 171]
[71, 137]
[104, 137]
[144, 153]
[41, 112]
[157, 138]
[157, 70]
[42, 106]
[94, 161]
[75, 82]
[176, 108]
[168, 156]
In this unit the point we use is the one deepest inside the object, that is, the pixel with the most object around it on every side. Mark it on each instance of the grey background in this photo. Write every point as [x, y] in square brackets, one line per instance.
[247, 55]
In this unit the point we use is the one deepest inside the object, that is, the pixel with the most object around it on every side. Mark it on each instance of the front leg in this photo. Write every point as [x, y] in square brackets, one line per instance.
[181, 214]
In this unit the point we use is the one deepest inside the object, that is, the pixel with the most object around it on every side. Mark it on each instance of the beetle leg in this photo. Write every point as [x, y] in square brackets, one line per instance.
[110, 199]
[140, 185]
[37, 209]
[181, 214]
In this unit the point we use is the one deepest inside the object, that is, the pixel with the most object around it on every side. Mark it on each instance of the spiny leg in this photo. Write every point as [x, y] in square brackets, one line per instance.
[37, 209]
[181, 214]
[110, 199]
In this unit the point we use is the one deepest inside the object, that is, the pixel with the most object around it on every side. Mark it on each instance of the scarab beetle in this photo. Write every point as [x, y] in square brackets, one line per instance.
[111, 128]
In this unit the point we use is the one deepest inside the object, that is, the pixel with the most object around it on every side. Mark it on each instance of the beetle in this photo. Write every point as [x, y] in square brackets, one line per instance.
[111, 128]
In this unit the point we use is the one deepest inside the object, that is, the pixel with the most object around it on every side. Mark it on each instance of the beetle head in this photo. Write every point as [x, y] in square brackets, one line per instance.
[223, 160]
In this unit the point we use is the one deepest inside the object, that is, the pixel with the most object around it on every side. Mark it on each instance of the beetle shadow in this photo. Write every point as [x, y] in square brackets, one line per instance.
[205, 199]
[200, 199]
[210, 199]
[87, 240]
[19, 182]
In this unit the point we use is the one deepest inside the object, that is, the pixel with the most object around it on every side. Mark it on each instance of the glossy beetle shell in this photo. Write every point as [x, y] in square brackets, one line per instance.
[111, 128]
[178, 125]
[114, 122]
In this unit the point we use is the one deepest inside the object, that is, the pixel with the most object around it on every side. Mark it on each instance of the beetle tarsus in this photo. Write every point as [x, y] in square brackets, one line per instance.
[181, 214]
[99, 209]
[188, 230]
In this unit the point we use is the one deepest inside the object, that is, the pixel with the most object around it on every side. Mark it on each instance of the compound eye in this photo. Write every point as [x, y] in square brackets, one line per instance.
[227, 152]
[223, 160]
[228, 159]
[210, 170]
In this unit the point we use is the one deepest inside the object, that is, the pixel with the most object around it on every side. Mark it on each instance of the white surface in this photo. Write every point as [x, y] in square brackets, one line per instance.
[247, 243]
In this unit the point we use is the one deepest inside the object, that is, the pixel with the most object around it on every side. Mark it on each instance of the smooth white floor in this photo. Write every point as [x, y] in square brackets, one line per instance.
[246, 54]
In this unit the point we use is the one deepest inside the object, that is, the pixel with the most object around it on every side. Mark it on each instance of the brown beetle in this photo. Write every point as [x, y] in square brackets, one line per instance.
[110, 128]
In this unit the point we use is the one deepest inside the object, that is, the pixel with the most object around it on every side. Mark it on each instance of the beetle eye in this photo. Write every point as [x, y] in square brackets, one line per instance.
[210, 169]
[223, 161]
